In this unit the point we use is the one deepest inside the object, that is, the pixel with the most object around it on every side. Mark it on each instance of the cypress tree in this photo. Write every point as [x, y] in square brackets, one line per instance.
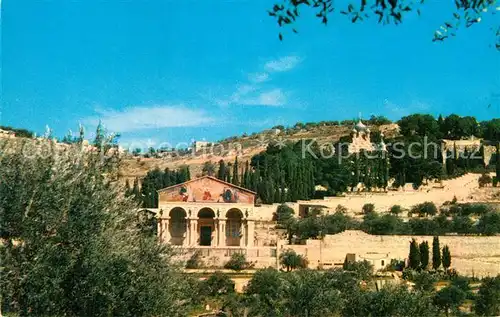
[436, 253]
[446, 257]
[236, 179]
[221, 173]
[188, 174]
[414, 256]
[424, 255]
[246, 176]
[166, 178]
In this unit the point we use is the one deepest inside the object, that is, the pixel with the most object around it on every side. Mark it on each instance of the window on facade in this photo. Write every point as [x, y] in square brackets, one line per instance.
[233, 229]
[382, 262]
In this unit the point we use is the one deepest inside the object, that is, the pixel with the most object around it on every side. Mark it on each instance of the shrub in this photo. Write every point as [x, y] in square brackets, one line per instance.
[341, 209]
[368, 208]
[495, 181]
[283, 214]
[217, 284]
[194, 261]
[427, 208]
[362, 269]
[396, 210]
[237, 262]
[484, 180]
[290, 260]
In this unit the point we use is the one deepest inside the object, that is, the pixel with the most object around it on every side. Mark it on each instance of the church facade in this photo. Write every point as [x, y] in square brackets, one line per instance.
[206, 212]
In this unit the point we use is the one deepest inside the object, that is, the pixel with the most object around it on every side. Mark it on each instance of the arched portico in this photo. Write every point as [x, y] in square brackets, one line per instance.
[234, 232]
[206, 226]
[177, 226]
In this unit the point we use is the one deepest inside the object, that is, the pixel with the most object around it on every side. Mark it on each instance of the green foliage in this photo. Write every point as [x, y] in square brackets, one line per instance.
[71, 243]
[396, 210]
[290, 260]
[194, 262]
[21, 133]
[307, 295]
[283, 214]
[267, 292]
[237, 262]
[424, 255]
[208, 169]
[414, 255]
[157, 179]
[449, 298]
[446, 257]
[368, 208]
[489, 223]
[427, 208]
[424, 281]
[467, 13]
[436, 253]
[487, 301]
[484, 180]
[217, 284]
[363, 270]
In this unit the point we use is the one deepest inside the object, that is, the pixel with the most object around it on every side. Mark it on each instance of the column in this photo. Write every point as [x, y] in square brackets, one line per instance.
[159, 227]
[216, 233]
[222, 232]
[166, 230]
[194, 232]
[243, 240]
[187, 235]
[250, 233]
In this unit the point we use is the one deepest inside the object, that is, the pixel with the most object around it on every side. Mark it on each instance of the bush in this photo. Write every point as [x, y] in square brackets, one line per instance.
[362, 269]
[368, 208]
[396, 210]
[427, 208]
[217, 284]
[290, 260]
[237, 262]
[484, 180]
[194, 261]
[283, 214]
[495, 181]
[341, 209]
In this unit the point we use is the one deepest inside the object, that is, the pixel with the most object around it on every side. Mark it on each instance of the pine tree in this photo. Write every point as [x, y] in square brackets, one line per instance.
[446, 257]
[414, 256]
[424, 255]
[436, 253]
[221, 173]
[235, 179]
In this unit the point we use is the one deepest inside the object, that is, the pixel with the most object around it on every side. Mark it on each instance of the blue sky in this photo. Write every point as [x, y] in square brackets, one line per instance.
[164, 70]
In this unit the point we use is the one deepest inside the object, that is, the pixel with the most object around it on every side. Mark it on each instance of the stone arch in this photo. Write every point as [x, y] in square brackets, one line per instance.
[234, 224]
[206, 226]
[177, 226]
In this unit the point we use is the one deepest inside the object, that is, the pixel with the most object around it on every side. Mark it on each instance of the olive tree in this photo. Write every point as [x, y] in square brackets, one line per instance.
[71, 244]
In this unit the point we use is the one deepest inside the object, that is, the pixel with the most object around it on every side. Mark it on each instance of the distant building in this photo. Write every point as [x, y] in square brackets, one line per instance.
[200, 145]
[361, 139]
[7, 134]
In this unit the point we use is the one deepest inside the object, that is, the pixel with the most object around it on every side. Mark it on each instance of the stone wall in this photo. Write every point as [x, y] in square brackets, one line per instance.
[461, 188]
[471, 255]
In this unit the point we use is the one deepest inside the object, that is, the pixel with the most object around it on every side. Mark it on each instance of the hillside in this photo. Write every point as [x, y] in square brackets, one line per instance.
[243, 146]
